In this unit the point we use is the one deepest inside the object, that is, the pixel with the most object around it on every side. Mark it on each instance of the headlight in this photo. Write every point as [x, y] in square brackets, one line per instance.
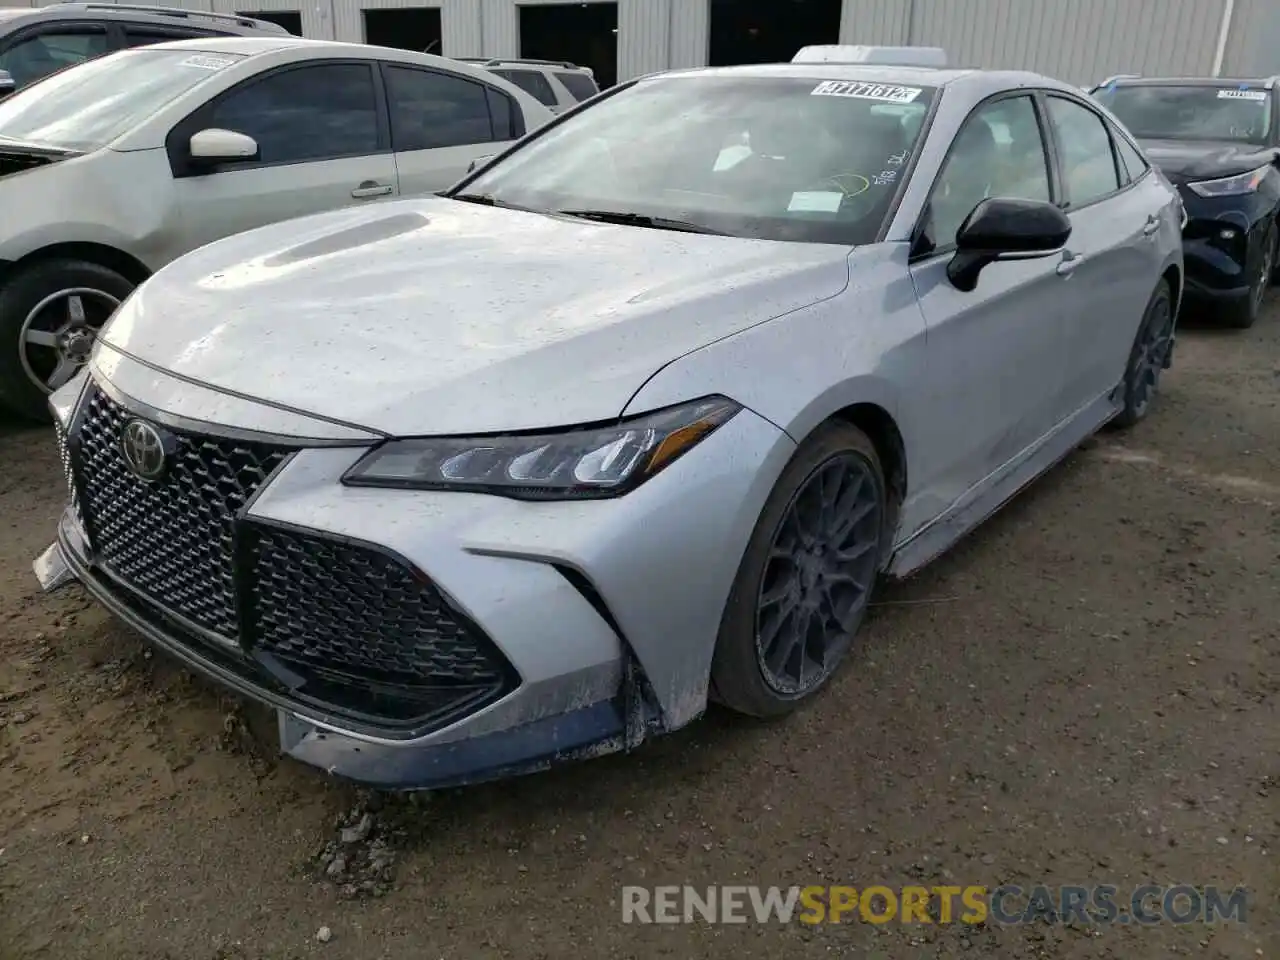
[1230, 186]
[578, 464]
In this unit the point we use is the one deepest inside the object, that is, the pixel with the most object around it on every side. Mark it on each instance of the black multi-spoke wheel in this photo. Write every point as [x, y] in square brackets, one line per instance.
[820, 570]
[805, 581]
[1245, 312]
[50, 315]
[1151, 355]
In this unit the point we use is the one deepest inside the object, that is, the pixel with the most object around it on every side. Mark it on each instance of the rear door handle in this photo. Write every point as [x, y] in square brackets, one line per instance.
[1069, 262]
[1151, 226]
[371, 188]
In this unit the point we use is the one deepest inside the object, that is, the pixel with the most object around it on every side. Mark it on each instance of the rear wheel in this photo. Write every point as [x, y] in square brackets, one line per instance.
[806, 578]
[1148, 358]
[50, 315]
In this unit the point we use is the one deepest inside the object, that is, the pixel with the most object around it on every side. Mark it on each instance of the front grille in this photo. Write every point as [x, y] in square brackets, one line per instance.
[170, 539]
[64, 456]
[325, 622]
[330, 610]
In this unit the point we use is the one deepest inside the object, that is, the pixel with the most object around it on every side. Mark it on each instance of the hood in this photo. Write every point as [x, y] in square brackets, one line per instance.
[441, 317]
[1183, 160]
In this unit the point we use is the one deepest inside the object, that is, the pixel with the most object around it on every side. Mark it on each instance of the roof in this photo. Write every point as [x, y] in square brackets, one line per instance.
[245, 46]
[113, 10]
[913, 76]
[1187, 81]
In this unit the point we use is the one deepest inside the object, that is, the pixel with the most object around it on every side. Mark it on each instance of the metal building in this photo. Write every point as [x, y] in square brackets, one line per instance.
[1077, 40]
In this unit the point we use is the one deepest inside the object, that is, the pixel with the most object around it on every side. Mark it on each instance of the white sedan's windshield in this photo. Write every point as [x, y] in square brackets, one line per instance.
[87, 106]
[766, 157]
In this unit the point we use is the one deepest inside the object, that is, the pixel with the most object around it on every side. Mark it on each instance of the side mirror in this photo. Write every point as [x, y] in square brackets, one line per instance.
[214, 145]
[1004, 229]
[7, 84]
[479, 162]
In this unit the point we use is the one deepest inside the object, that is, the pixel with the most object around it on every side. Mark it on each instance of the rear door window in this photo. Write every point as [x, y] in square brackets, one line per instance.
[1084, 146]
[581, 86]
[532, 83]
[139, 35]
[37, 55]
[433, 109]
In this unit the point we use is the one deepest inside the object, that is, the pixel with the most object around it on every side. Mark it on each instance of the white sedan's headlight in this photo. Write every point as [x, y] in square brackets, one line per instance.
[1234, 186]
[578, 464]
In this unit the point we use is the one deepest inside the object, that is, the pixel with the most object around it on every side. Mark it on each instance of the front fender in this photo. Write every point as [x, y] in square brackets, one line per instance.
[862, 346]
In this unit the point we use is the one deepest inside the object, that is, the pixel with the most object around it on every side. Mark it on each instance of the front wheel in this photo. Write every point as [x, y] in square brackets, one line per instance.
[805, 580]
[1244, 313]
[1148, 357]
[50, 315]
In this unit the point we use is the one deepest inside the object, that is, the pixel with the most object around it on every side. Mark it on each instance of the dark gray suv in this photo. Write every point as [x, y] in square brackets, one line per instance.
[37, 42]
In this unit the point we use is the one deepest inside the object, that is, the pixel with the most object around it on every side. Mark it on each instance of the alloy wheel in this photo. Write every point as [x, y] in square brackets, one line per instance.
[818, 577]
[1265, 274]
[58, 334]
[1152, 354]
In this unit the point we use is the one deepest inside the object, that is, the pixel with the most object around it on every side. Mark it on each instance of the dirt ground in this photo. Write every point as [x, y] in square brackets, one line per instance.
[1087, 691]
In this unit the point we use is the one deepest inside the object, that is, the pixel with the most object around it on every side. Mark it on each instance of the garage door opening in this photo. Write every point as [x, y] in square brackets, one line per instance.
[769, 31]
[583, 33]
[291, 20]
[405, 28]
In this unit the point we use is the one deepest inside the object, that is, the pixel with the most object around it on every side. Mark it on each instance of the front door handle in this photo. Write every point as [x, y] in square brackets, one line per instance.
[1151, 226]
[1069, 263]
[371, 188]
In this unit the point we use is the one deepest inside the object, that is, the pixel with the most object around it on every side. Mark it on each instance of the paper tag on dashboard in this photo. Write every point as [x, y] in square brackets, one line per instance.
[815, 201]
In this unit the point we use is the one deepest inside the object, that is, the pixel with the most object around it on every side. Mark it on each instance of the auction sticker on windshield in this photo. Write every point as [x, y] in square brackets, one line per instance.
[885, 92]
[207, 62]
[1242, 94]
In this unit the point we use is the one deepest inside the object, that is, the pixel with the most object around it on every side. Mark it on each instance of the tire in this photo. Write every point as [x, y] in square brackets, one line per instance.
[740, 678]
[1244, 314]
[1143, 369]
[1275, 254]
[25, 290]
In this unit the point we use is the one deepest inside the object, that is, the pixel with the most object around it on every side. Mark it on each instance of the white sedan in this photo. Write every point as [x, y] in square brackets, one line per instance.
[114, 167]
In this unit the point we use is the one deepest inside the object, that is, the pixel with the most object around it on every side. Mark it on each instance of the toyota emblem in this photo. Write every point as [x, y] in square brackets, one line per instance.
[144, 449]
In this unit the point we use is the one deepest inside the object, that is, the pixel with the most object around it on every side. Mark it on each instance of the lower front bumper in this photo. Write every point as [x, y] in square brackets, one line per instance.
[1197, 291]
[594, 730]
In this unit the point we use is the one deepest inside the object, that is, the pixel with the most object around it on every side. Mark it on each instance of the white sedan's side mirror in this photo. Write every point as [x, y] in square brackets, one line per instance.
[478, 162]
[7, 84]
[215, 144]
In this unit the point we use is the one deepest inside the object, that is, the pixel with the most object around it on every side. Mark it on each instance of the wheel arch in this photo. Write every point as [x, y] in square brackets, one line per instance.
[1173, 274]
[105, 255]
[885, 435]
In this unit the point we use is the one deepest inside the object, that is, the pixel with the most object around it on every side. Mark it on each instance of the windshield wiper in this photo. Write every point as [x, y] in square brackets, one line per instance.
[629, 219]
[487, 200]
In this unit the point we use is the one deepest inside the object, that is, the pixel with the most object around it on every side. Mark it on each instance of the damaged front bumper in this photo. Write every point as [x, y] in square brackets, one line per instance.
[601, 728]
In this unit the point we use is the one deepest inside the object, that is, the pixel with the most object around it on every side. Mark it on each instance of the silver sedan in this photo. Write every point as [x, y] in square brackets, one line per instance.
[633, 417]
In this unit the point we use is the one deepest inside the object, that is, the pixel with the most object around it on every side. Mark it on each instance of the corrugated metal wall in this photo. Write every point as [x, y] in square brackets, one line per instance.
[1076, 40]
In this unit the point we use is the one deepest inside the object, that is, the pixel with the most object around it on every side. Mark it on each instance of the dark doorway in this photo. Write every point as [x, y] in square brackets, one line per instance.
[769, 31]
[291, 20]
[405, 28]
[583, 33]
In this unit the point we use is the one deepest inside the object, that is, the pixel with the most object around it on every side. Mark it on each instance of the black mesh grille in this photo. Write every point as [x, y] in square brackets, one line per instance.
[349, 610]
[64, 455]
[170, 539]
[323, 622]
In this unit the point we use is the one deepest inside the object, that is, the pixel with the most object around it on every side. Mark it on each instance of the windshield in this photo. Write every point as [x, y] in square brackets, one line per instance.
[762, 157]
[1201, 112]
[89, 105]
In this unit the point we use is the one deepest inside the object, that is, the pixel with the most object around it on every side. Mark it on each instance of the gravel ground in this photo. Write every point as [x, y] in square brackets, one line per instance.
[1084, 692]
